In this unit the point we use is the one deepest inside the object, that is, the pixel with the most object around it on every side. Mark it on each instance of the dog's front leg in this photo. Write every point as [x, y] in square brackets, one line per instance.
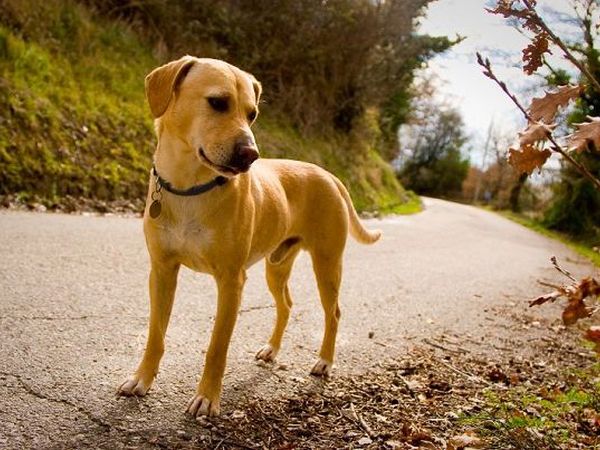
[163, 281]
[208, 394]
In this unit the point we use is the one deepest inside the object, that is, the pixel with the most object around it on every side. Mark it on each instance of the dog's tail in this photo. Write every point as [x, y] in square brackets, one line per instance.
[358, 232]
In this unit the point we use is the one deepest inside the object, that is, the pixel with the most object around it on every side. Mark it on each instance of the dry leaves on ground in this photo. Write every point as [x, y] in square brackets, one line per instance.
[576, 293]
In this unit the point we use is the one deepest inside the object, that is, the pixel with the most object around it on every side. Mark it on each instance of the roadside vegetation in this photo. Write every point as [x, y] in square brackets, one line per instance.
[76, 130]
[587, 249]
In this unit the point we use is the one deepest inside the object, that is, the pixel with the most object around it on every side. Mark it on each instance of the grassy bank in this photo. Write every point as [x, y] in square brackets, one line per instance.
[584, 248]
[75, 123]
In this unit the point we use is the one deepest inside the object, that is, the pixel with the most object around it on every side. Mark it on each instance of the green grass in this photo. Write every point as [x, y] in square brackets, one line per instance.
[541, 417]
[75, 120]
[75, 116]
[583, 248]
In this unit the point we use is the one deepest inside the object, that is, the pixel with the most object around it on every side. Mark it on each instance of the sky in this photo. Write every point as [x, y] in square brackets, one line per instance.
[458, 77]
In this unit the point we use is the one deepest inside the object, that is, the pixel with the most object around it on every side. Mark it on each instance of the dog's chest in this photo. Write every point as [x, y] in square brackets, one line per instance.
[189, 241]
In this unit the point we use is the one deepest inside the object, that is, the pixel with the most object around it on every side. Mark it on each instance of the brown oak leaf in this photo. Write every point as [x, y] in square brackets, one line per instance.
[576, 293]
[535, 132]
[587, 136]
[533, 54]
[465, 440]
[551, 297]
[576, 309]
[593, 335]
[528, 158]
[544, 108]
[530, 19]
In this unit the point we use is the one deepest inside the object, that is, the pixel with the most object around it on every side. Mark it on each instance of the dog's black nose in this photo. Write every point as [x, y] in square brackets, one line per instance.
[243, 156]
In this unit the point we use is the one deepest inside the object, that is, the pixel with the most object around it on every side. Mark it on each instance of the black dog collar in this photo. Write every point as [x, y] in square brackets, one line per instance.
[161, 183]
[194, 190]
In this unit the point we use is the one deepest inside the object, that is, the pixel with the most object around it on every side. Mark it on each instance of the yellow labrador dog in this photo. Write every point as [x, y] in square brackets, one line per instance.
[215, 208]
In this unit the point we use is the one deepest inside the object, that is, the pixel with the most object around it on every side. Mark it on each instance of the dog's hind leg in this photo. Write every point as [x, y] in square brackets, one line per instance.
[328, 271]
[277, 279]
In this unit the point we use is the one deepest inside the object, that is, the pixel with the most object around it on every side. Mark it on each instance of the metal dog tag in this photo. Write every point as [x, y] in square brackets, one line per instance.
[155, 209]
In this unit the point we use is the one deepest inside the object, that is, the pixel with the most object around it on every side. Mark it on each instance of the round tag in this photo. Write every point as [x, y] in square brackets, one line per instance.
[155, 208]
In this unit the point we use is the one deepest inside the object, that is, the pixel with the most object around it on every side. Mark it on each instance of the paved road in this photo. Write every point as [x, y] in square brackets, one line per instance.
[73, 306]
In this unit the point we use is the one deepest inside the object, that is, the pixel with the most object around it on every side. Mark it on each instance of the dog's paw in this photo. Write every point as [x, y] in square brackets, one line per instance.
[267, 353]
[322, 368]
[134, 386]
[202, 405]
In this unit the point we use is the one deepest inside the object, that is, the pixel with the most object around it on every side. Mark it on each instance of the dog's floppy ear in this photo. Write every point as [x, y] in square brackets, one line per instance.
[257, 88]
[162, 82]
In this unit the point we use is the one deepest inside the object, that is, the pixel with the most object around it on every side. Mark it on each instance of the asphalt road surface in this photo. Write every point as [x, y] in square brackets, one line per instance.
[73, 317]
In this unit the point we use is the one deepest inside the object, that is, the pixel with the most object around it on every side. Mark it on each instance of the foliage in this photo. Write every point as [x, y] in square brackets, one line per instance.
[70, 125]
[75, 121]
[576, 293]
[575, 208]
[559, 411]
[324, 64]
[541, 116]
[432, 162]
[584, 248]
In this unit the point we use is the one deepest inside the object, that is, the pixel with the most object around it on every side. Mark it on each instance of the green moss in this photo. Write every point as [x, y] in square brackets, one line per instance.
[370, 180]
[77, 123]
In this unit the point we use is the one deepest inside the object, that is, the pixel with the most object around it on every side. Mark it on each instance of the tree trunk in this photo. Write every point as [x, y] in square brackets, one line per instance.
[515, 193]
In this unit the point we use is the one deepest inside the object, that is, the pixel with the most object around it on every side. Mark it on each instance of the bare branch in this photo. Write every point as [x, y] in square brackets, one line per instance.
[556, 147]
[556, 40]
[561, 270]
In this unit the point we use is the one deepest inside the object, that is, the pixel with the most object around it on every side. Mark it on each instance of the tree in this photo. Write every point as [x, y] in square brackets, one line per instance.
[431, 161]
[576, 205]
[497, 184]
[324, 64]
[580, 149]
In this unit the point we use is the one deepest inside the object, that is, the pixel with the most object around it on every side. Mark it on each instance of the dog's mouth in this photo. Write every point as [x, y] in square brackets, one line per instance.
[225, 170]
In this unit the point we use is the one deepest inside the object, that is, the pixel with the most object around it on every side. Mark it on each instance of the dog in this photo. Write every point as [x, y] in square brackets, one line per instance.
[217, 208]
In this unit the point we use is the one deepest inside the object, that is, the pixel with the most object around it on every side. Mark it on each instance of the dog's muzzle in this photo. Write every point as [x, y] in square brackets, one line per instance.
[243, 156]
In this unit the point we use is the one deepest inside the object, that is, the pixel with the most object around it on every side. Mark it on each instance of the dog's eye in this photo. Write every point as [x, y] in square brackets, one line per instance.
[219, 104]
[252, 116]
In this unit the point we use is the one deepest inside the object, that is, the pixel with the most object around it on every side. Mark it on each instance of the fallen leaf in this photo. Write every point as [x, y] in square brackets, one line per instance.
[586, 136]
[464, 440]
[528, 159]
[365, 441]
[497, 376]
[576, 309]
[544, 108]
[551, 297]
[535, 132]
[593, 335]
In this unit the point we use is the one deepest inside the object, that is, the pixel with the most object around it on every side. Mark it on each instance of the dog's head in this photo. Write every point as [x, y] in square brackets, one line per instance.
[210, 105]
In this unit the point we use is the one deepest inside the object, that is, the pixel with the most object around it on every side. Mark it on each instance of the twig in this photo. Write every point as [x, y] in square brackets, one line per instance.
[465, 374]
[365, 426]
[556, 147]
[226, 440]
[410, 390]
[554, 38]
[550, 285]
[490, 74]
[561, 270]
[441, 347]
